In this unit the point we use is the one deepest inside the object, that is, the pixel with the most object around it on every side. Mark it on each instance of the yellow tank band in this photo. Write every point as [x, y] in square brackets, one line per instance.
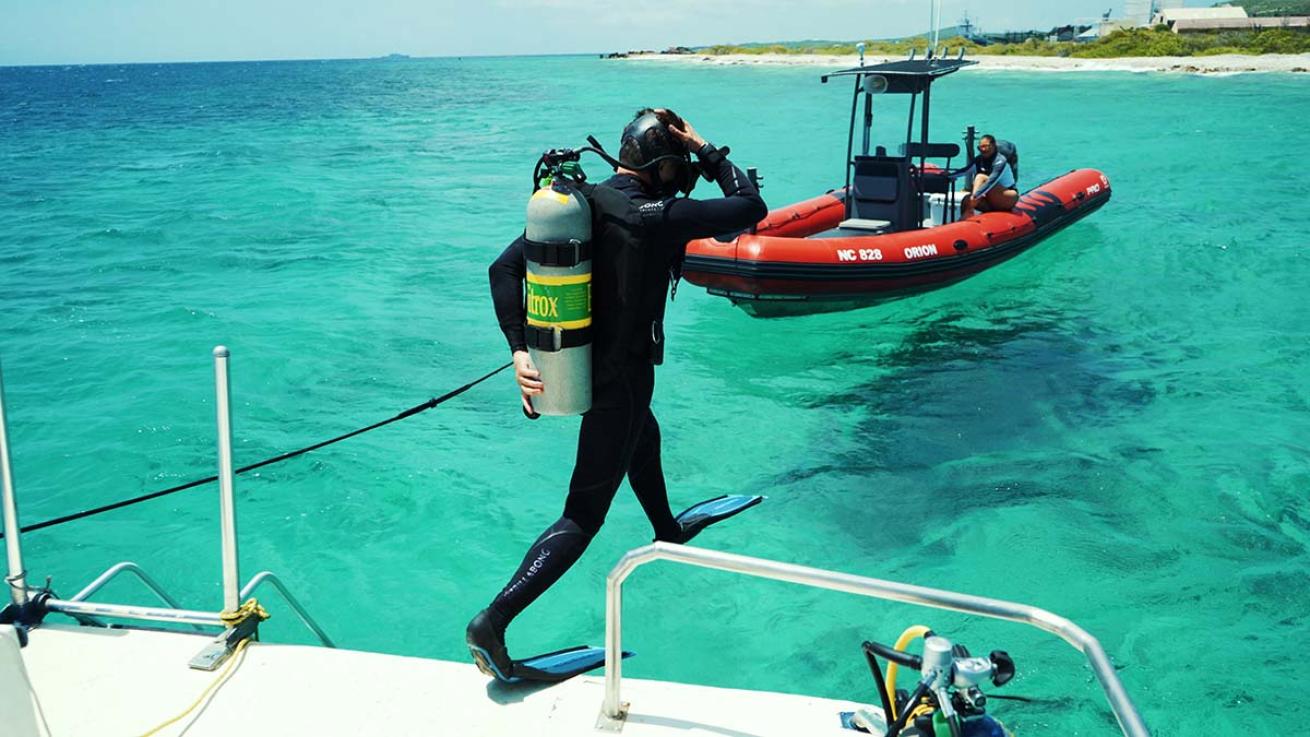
[556, 281]
[565, 325]
[548, 192]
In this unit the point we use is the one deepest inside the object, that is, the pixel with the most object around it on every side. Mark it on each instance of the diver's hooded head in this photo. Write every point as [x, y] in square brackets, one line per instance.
[647, 144]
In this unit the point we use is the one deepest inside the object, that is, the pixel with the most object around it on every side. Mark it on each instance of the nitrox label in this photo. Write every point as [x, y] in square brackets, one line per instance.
[563, 301]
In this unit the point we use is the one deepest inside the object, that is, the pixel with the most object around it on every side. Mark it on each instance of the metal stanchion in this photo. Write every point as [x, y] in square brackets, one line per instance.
[17, 577]
[222, 648]
[226, 481]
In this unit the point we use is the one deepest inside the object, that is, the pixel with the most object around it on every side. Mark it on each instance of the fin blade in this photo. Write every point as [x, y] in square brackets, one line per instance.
[560, 665]
[718, 509]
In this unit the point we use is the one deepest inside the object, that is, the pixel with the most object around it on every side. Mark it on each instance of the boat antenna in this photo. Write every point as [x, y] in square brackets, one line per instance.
[936, 12]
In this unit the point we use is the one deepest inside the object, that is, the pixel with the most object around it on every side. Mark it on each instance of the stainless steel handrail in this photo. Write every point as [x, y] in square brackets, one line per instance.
[78, 606]
[614, 710]
[128, 566]
[127, 611]
[308, 621]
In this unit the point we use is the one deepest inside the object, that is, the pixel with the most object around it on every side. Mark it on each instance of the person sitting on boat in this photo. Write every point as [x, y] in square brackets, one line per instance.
[640, 232]
[992, 177]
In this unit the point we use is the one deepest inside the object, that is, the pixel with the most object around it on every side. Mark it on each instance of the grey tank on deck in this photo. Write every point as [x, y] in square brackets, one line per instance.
[559, 300]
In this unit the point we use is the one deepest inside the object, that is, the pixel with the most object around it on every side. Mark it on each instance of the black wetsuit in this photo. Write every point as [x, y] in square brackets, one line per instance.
[619, 435]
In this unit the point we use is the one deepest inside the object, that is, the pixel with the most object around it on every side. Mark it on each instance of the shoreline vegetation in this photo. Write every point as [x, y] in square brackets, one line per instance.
[1137, 49]
[1129, 42]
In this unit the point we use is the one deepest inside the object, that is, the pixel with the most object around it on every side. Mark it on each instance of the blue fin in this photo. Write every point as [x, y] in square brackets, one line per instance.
[560, 665]
[703, 514]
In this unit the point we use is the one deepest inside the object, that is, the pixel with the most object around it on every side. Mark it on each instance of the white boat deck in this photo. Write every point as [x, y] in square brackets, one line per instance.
[104, 683]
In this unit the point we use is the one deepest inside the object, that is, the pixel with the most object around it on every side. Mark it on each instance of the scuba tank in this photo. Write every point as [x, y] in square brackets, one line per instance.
[1011, 154]
[557, 247]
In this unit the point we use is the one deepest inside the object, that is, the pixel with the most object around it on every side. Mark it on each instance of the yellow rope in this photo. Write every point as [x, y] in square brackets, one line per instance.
[233, 617]
[228, 670]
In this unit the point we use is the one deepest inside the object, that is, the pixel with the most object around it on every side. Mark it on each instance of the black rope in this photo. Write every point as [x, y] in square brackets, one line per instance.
[425, 406]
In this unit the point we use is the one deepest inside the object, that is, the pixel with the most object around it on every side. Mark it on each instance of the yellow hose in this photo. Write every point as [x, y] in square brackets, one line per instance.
[909, 635]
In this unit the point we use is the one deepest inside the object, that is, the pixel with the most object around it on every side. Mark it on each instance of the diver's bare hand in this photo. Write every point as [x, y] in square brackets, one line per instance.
[687, 135]
[528, 378]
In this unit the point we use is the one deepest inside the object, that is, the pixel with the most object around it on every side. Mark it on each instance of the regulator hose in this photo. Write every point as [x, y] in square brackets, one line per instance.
[910, 634]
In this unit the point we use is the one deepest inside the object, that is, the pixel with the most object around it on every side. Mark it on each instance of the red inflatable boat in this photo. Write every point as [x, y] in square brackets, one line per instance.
[893, 230]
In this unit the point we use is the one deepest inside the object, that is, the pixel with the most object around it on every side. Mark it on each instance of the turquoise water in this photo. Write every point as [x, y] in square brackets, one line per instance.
[1112, 426]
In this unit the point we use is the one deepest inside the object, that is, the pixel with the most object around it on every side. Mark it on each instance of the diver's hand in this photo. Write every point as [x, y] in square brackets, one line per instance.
[687, 135]
[528, 378]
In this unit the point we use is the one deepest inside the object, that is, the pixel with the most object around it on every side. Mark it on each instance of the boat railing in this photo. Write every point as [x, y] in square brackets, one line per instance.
[113, 572]
[230, 617]
[614, 711]
[268, 576]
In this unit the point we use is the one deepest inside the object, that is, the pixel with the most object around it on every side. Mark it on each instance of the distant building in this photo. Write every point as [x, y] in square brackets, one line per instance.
[1138, 12]
[1203, 25]
[967, 30]
[1169, 16]
[1103, 28]
[1013, 37]
[1063, 33]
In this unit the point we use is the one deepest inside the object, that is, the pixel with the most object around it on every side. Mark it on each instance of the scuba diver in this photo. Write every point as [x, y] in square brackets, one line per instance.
[640, 230]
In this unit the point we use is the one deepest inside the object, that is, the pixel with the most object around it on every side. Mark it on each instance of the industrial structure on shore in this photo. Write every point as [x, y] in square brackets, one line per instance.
[1143, 14]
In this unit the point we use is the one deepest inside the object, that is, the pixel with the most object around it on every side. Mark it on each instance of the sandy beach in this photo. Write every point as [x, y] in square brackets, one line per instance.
[1220, 64]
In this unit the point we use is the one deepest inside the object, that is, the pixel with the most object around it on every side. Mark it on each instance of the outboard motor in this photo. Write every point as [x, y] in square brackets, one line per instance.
[557, 247]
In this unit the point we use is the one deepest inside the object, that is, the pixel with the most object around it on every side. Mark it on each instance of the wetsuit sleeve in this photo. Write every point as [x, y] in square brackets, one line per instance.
[506, 274]
[682, 219]
[999, 166]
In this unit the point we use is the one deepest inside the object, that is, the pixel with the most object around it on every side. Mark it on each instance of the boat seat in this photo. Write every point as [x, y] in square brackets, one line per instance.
[864, 224]
[917, 150]
[880, 191]
[931, 182]
[935, 183]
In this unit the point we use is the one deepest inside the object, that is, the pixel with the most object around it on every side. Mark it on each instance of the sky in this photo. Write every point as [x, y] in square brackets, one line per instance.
[119, 31]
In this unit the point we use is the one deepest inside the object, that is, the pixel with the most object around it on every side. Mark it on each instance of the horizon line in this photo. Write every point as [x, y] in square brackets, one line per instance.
[402, 57]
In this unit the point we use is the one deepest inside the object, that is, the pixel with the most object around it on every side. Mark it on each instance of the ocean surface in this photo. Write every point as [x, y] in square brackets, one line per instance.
[1113, 426]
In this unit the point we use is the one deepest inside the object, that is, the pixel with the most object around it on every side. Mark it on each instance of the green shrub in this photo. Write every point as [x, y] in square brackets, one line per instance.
[1134, 42]
[1030, 47]
[1280, 41]
[1157, 41]
[1275, 7]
